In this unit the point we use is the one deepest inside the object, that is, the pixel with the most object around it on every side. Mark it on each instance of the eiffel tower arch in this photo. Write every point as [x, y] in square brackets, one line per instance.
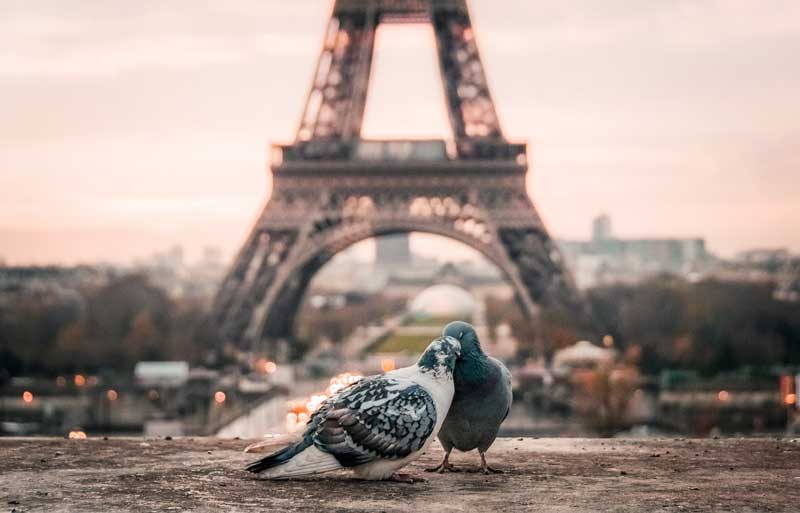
[331, 188]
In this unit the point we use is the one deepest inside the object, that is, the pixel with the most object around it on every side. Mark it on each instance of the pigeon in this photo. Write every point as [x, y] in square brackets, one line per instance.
[376, 425]
[481, 403]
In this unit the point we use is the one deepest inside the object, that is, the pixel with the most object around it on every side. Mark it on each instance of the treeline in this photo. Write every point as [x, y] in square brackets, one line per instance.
[113, 327]
[668, 323]
[109, 328]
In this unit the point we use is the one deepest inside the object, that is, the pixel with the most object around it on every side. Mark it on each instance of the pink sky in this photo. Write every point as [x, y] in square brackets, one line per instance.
[129, 127]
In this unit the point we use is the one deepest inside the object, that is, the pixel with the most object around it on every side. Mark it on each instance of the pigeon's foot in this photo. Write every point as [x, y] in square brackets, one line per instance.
[407, 478]
[443, 467]
[486, 469]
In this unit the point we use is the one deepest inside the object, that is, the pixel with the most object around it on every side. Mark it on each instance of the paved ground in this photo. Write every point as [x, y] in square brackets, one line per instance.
[559, 475]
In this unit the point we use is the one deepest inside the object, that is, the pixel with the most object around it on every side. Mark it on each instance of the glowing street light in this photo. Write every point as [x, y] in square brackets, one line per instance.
[261, 365]
[265, 366]
[27, 397]
[723, 395]
[112, 395]
[788, 388]
[79, 380]
[219, 397]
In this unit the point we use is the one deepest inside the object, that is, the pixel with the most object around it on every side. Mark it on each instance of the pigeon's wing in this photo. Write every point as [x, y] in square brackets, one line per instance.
[376, 418]
[507, 385]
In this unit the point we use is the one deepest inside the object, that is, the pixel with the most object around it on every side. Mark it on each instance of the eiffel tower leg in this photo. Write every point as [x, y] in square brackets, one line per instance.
[249, 287]
[535, 266]
[251, 277]
[538, 263]
[258, 300]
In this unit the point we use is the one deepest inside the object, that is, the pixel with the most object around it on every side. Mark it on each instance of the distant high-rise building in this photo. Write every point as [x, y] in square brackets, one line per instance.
[601, 227]
[393, 251]
[606, 259]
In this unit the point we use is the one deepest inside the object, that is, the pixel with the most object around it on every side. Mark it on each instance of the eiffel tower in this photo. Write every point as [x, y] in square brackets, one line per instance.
[331, 188]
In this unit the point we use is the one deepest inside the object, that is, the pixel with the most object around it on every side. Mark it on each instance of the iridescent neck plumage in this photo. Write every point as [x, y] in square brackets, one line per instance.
[473, 365]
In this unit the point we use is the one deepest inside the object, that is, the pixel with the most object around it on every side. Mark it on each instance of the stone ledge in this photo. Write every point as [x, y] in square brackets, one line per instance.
[561, 475]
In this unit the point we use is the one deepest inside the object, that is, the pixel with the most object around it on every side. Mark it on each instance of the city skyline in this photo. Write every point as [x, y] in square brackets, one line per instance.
[135, 128]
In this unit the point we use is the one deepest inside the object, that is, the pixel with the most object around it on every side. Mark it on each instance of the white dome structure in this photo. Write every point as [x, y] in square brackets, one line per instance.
[444, 301]
[582, 353]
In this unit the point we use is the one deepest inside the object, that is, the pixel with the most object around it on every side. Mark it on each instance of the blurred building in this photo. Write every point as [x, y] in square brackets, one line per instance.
[444, 301]
[772, 266]
[58, 283]
[601, 228]
[605, 259]
[195, 281]
[763, 256]
[399, 272]
[393, 252]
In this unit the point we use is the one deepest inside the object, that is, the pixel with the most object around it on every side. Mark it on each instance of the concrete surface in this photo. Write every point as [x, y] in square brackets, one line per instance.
[558, 475]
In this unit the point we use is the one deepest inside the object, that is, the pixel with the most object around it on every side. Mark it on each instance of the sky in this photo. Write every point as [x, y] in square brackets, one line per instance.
[127, 127]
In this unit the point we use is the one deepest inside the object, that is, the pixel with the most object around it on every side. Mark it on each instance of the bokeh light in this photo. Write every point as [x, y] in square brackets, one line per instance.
[300, 411]
[265, 366]
[387, 364]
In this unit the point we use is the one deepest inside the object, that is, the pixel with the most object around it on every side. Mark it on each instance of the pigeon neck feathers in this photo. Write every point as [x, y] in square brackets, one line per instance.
[440, 357]
[473, 367]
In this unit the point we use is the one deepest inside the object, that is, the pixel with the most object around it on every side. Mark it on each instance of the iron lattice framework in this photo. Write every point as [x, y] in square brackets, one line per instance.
[332, 189]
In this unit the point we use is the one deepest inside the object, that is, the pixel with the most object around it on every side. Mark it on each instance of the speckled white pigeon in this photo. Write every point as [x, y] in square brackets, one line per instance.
[376, 425]
[481, 403]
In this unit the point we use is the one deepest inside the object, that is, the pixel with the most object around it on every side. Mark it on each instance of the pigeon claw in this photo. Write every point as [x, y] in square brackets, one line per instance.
[443, 468]
[486, 469]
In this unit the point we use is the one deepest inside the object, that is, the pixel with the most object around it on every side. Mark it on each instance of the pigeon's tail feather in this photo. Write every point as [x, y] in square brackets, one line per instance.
[301, 459]
[279, 457]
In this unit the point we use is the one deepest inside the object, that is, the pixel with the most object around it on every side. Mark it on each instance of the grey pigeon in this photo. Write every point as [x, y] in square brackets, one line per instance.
[374, 426]
[481, 402]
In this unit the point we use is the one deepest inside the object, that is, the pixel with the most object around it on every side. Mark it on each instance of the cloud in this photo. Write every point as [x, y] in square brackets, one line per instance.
[96, 42]
[169, 52]
[685, 23]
